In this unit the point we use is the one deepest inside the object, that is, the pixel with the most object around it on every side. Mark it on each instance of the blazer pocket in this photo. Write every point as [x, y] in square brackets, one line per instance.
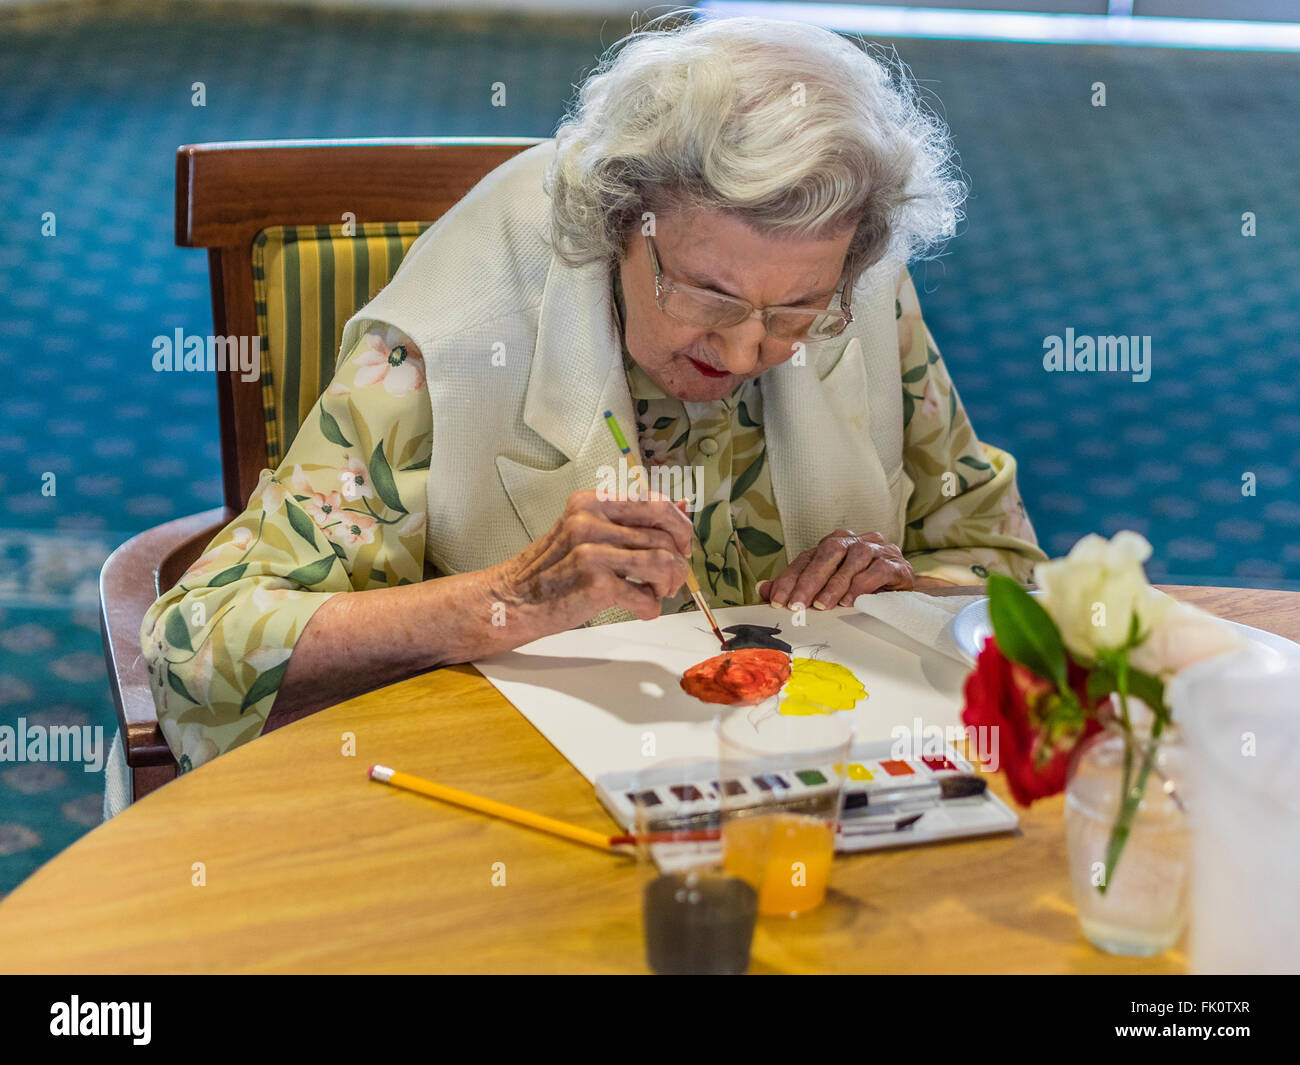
[537, 496]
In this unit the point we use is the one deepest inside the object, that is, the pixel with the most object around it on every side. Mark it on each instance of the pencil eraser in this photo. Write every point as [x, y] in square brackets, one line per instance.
[371, 772]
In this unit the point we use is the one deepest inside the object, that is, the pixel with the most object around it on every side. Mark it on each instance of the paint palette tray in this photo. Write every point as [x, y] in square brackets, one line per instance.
[872, 771]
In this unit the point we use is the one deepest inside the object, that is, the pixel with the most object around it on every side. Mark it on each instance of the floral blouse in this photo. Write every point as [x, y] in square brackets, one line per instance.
[345, 511]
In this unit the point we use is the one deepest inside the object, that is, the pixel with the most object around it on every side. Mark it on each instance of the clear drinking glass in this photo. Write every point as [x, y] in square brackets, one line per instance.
[696, 917]
[782, 785]
[1144, 907]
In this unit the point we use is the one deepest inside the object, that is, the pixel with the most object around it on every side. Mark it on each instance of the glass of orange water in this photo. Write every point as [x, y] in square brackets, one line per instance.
[781, 785]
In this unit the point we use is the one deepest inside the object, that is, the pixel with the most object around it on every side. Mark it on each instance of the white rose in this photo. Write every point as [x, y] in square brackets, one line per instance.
[1093, 593]
[1180, 636]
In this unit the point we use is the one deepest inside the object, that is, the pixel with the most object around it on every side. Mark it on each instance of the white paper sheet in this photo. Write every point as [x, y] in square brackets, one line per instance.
[609, 697]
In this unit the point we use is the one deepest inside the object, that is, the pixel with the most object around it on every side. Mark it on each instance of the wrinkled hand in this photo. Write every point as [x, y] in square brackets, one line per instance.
[842, 567]
[590, 559]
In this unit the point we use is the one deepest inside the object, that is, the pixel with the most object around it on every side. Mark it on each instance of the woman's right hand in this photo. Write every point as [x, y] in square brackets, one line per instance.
[577, 569]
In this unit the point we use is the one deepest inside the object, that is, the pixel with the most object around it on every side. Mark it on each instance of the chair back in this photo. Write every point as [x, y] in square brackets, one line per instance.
[300, 235]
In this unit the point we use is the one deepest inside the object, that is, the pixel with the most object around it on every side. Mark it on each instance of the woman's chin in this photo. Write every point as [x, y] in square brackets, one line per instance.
[693, 386]
[705, 392]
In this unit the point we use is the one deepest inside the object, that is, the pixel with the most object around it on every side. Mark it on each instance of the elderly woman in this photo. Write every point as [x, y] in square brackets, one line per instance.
[714, 249]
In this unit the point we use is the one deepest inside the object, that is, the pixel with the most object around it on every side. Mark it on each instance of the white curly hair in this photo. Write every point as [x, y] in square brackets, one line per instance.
[707, 114]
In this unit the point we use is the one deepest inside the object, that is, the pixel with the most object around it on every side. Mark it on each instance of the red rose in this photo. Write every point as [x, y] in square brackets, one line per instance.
[1006, 697]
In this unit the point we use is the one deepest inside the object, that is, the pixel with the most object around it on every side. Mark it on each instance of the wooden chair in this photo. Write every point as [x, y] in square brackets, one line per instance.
[229, 197]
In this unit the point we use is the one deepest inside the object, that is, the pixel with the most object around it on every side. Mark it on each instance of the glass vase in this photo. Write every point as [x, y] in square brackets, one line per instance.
[1139, 906]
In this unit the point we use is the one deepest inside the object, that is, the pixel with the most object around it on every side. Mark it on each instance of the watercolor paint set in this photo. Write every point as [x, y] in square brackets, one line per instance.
[888, 801]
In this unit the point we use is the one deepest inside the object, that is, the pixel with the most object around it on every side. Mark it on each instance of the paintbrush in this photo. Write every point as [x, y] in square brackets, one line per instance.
[705, 835]
[863, 808]
[956, 787]
[625, 449]
[698, 595]
[872, 828]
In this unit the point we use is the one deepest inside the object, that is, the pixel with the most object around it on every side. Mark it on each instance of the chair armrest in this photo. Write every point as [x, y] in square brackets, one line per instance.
[131, 580]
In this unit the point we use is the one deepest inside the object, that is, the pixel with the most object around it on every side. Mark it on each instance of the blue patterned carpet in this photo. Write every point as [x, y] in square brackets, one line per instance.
[1117, 220]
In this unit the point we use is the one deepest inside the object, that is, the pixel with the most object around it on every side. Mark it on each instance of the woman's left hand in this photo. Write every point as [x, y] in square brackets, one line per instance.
[842, 567]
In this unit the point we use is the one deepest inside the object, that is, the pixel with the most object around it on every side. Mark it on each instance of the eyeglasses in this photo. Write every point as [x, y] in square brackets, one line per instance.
[705, 307]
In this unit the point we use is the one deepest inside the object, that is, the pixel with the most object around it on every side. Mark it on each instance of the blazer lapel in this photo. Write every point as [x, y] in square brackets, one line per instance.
[825, 471]
[575, 376]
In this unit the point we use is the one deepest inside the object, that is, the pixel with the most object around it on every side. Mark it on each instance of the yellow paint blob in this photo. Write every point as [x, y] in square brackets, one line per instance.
[817, 687]
[855, 771]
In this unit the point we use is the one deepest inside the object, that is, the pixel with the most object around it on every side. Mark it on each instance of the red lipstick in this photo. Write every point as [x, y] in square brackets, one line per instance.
[708, 370]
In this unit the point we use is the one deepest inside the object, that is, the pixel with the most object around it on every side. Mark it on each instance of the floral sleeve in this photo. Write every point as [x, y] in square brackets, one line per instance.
[344, 512]
[965, 517]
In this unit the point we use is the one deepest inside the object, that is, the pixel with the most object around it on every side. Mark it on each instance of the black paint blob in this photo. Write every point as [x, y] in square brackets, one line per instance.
[754, 636]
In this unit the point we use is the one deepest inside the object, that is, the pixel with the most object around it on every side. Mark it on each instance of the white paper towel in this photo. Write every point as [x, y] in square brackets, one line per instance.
[927, 619]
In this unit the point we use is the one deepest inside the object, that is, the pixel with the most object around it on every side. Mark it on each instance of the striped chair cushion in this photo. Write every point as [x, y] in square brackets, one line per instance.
[307, 282]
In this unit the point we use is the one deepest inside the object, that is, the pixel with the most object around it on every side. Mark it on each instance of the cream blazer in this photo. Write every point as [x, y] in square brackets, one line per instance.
[522, 359]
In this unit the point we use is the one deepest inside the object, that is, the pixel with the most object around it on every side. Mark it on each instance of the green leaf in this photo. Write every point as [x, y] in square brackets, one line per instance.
[176, 632]
[974, 463]
[745, 419]
[1103, 679]
[228, 575]
[642, 406]
[898, 310]
[930, 354]
[1101, 682]
[915, 374]
[680, 440]
[175, 682]
[265, 684]
[706, 520]
[417, 465]
[664, 422]
[746, 479]
[756, 541]
[300, 523]
[1135, 635]
[338, 550]
[329, 428]
[732, 576]
[909, 407]
[313, 572]
[1025, 631]
[381, 476]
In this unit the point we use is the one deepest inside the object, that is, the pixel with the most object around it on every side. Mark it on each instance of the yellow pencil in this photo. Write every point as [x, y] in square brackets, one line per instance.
[421, 786]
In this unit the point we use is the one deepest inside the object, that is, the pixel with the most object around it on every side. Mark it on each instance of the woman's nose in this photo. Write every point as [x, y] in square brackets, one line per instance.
[741, 345]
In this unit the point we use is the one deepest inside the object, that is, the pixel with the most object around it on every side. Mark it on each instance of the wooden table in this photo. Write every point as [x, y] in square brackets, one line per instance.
[310, 867]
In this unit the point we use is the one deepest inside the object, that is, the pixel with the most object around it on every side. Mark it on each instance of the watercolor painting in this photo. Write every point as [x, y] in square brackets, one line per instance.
[756, 665]
[614, 698]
